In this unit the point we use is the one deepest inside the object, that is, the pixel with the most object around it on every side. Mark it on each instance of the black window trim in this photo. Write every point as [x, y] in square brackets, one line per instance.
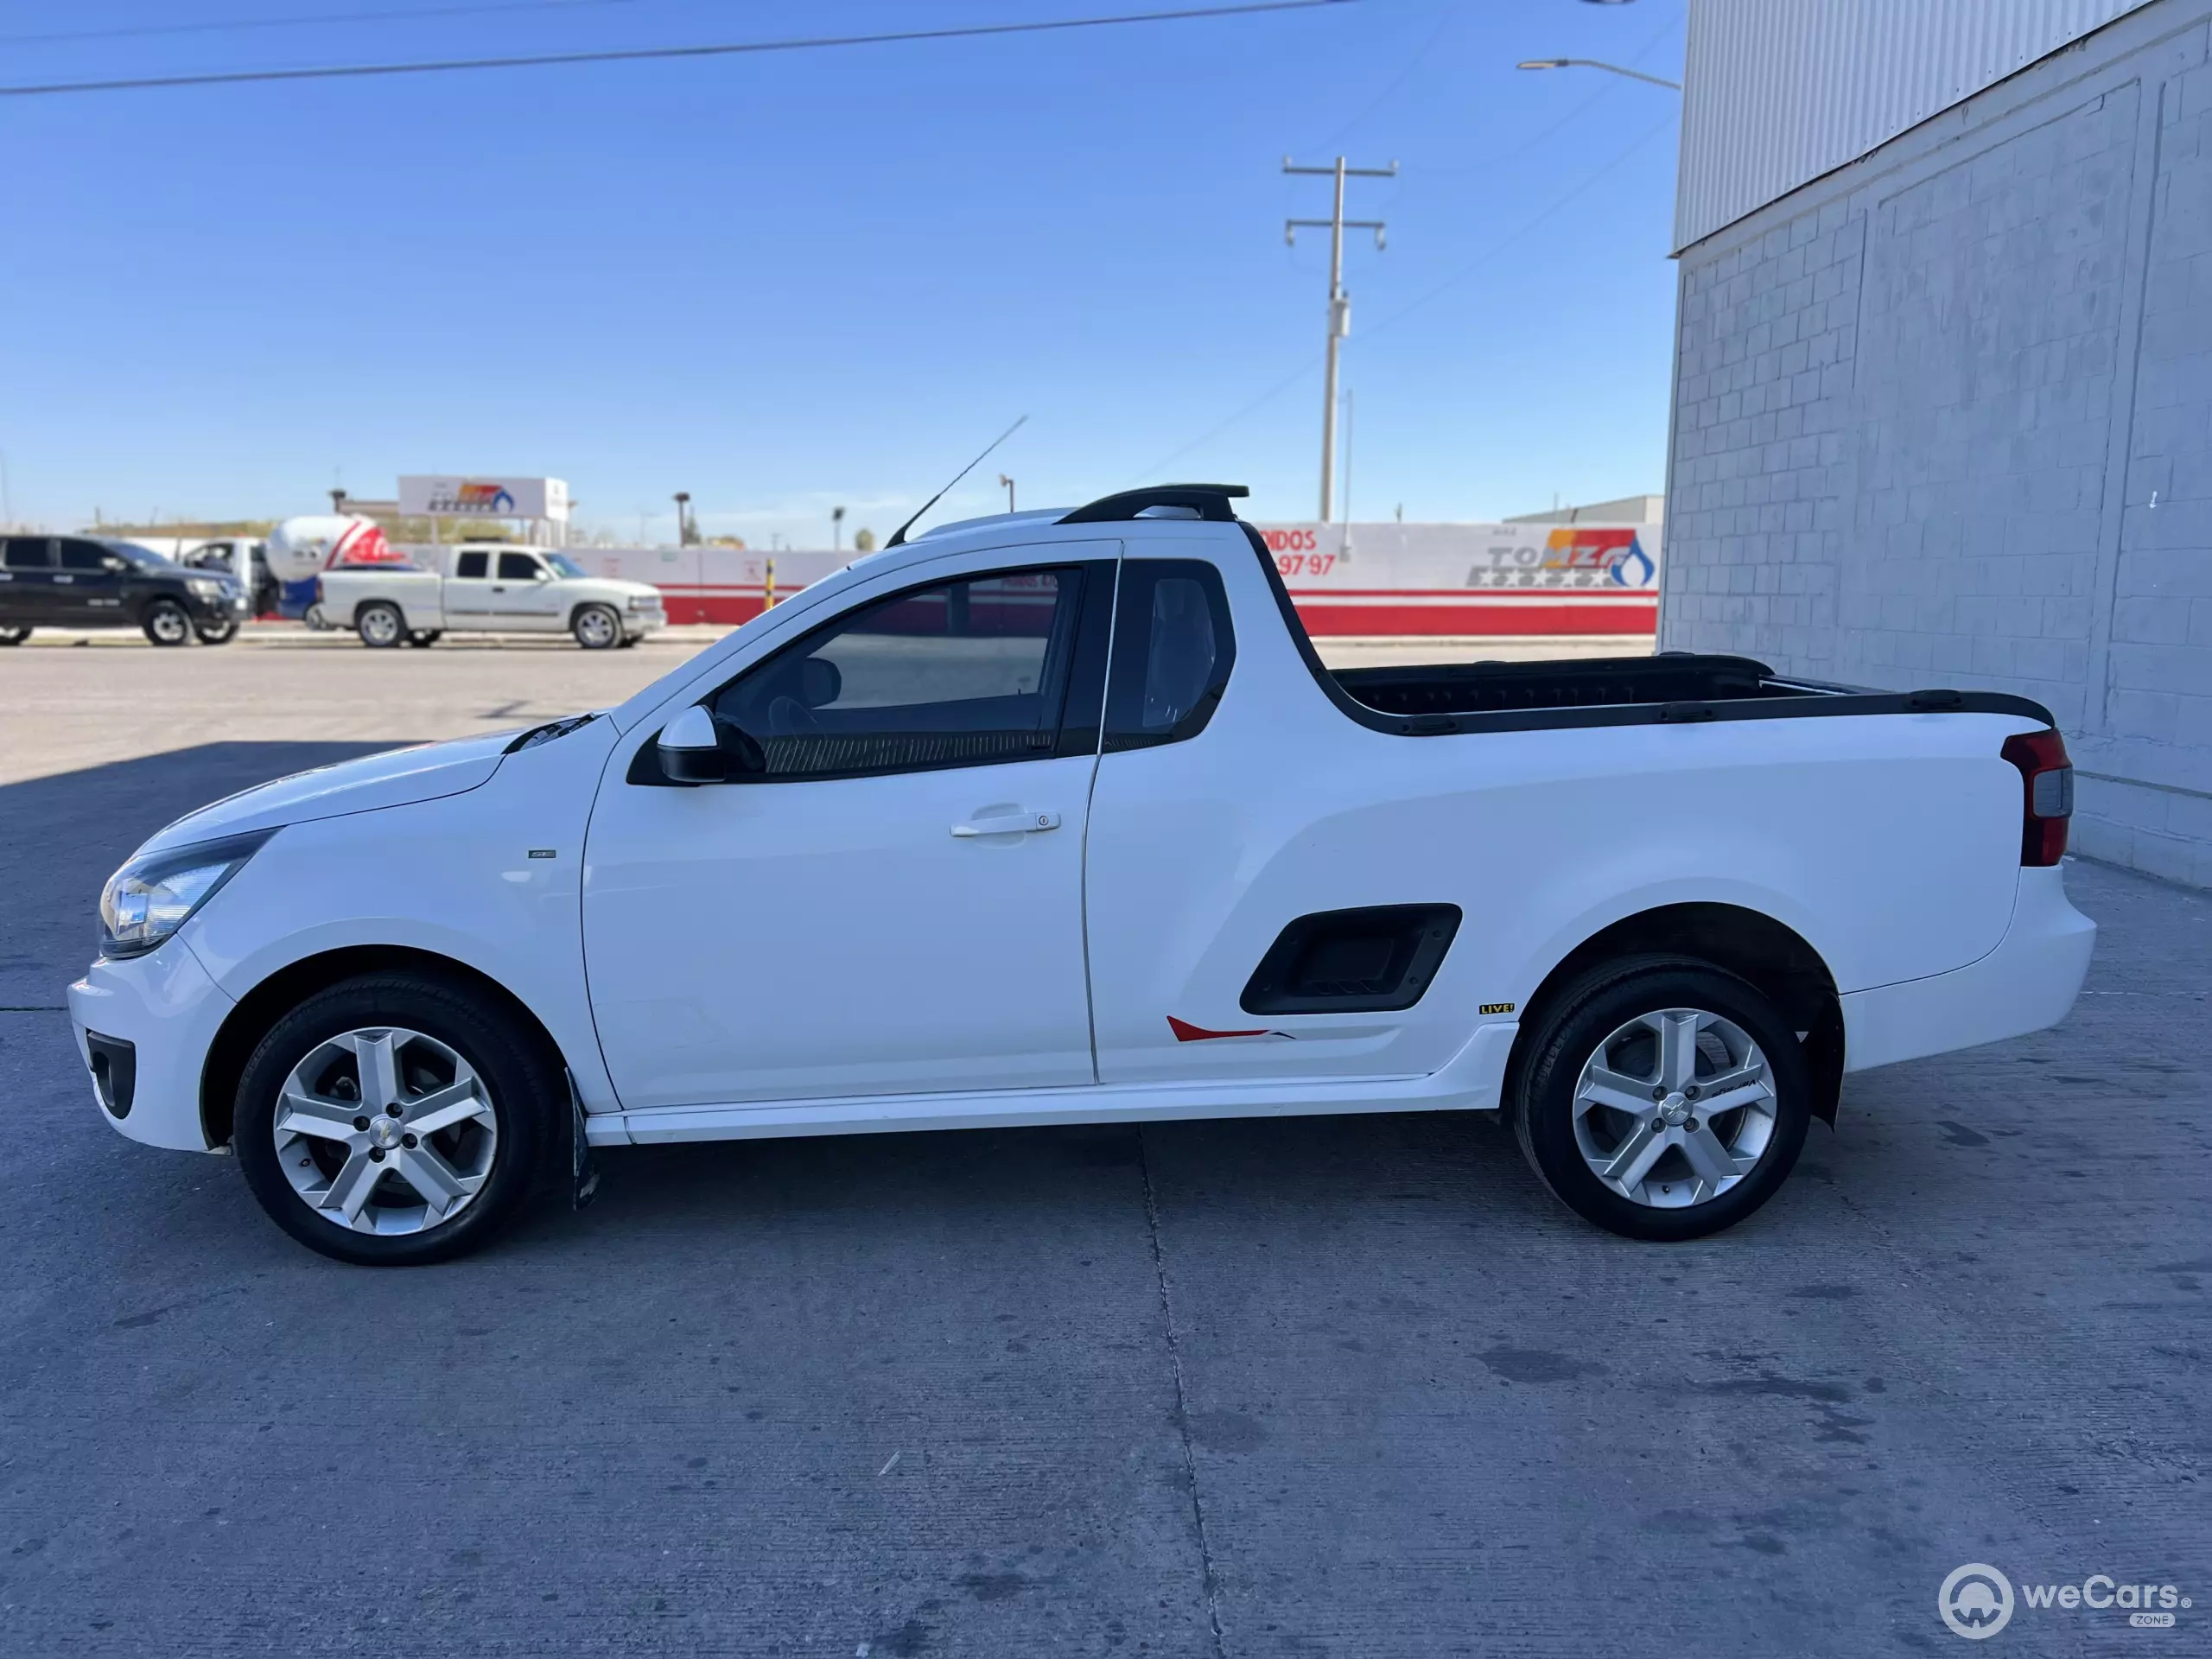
[1820, 699]
[1081, 693]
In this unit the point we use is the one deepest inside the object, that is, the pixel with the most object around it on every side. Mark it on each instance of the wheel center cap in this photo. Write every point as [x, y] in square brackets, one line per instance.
[384, 1133]
[1672, 1110]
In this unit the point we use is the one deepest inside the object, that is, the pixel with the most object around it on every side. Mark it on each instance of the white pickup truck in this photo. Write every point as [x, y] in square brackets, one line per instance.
[1056, 818]
[489, 589]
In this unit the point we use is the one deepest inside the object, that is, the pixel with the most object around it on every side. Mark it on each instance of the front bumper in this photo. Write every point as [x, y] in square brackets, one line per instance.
[207, 610]
[639, 623]
[167, 1008]
[2029, 982]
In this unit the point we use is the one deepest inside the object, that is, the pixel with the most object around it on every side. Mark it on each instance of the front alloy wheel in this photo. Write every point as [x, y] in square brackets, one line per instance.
[597, 628]
[385, 1131]
[398, 1118]
[167, 623]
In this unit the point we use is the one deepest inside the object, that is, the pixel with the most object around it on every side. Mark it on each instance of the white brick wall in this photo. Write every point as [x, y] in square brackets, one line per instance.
[1923, 406]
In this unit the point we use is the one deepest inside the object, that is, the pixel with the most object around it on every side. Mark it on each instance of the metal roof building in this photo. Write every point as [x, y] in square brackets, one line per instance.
[1942, 408]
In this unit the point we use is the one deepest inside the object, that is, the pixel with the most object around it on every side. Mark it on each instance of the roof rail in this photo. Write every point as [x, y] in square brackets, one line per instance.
[1211, 501]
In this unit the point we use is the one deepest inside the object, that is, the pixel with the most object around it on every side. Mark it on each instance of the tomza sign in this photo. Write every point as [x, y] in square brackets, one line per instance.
[480, 496]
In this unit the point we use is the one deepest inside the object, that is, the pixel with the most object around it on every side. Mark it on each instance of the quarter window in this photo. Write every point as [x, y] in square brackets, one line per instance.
[964, 673]
[1172, 653]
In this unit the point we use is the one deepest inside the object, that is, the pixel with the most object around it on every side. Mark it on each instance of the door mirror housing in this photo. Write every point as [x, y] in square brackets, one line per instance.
[696, 748]
[691, 750]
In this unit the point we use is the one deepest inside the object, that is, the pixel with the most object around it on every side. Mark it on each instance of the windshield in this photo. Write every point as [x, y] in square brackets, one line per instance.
[562, 564]
[144, 558]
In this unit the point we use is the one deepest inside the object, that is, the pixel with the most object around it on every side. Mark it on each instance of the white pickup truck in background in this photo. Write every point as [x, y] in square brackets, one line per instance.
[490, 589]
[1055, 818]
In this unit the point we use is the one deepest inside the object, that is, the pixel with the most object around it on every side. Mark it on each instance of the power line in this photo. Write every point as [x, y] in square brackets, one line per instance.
[223, 25]
[637, 54]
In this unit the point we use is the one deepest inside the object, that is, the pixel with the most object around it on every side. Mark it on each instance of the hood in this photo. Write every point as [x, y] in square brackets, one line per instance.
[397, 777]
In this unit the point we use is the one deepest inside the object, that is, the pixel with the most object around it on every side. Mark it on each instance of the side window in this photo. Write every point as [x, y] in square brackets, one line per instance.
[473, 567]
[84, 556]
[962, 673]
[1172, 653]
[519, 567]
[28, 553]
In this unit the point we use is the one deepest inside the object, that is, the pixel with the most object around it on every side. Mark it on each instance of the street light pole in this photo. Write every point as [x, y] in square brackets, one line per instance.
[1592, 63]
[836, 530]
[1340, 301]
[1008, 482]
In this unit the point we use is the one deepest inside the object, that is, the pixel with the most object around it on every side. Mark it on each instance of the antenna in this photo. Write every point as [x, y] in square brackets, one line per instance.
[898, 535]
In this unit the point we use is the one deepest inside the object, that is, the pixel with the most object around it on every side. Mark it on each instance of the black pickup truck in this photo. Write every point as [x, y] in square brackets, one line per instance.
[74, 581]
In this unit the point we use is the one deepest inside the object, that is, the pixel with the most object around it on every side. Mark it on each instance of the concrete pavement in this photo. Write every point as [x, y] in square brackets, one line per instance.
[1333, 1386]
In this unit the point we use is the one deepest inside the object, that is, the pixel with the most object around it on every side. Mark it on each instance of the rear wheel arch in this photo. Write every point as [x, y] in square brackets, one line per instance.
[1771, 955]
[260, 1008]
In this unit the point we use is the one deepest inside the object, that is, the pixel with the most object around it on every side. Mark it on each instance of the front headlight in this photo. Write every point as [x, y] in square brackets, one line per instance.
[205, 587]
[147, 900]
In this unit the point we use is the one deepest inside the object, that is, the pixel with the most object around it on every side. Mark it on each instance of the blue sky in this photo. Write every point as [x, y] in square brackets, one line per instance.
[787, 280]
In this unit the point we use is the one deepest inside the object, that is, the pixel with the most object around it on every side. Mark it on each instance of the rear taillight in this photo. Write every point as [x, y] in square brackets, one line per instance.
[2046, 794]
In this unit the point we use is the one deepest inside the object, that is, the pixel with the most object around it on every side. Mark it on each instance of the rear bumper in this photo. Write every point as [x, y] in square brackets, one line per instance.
[2029, 982]
[167, 1010]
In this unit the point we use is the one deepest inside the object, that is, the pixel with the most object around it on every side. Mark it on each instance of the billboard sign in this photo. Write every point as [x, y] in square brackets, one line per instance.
[1470, 580]
[480, 495]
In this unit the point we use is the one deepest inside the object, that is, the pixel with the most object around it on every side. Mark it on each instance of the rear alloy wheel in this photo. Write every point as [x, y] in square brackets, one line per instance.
[380, 625]
[596, 627]
[1663, 1099]
[394, 1119]
[217, 633]
[14, 634]
[166, 623]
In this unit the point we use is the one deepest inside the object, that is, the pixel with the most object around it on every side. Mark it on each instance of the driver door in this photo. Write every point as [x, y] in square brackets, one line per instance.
[522, 594]
[895, 904]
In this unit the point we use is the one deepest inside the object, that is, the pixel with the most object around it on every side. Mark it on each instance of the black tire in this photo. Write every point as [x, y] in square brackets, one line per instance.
[14, 633]
[380, 625]
[522, 1080]
[217, 633]
[1568, 1037]
[424, 638]
[165, 622]
[597, 627]
[628, 641]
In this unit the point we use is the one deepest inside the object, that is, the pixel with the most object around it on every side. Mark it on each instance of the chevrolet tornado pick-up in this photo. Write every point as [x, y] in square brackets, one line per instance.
[1056, 818]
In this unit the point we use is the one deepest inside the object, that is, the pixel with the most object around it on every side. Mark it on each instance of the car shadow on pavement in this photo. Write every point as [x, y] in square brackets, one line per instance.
[62, 837]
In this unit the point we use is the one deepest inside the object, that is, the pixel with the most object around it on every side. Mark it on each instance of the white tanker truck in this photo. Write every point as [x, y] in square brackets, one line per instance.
[301, 549]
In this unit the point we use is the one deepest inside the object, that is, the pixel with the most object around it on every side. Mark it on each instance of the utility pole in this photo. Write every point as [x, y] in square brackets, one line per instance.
[1340, 301]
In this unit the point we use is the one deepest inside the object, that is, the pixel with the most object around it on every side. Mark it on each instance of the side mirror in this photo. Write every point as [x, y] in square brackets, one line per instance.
[539, 573]
[695, 749]
[691, 750]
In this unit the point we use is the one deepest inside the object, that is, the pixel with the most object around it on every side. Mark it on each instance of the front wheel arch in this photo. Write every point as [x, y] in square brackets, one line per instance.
[260, 1008]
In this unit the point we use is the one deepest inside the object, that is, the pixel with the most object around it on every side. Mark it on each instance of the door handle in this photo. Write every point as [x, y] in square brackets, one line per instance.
[1010, 824]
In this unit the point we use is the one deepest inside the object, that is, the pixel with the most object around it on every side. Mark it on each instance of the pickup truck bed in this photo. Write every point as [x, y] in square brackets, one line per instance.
[1672, 686]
